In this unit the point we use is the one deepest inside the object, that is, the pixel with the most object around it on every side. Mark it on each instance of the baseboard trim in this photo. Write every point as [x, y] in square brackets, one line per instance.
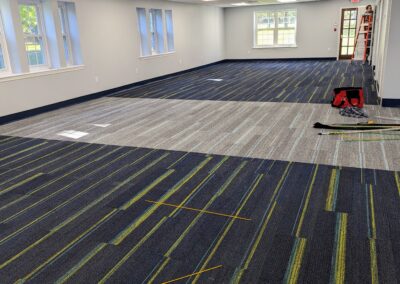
[32, 112]
[282, 59]
[391, 102]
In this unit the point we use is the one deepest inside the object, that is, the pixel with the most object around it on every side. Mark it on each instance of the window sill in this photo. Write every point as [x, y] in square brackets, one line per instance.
[38, 73]
[157, 55]
[275, 46]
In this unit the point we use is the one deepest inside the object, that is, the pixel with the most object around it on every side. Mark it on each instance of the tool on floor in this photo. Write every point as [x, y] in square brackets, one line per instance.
[364, 36]
[360, 131]
[356, 126]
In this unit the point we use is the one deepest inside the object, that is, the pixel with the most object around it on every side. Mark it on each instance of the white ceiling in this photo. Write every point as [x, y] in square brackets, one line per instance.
[228, 3]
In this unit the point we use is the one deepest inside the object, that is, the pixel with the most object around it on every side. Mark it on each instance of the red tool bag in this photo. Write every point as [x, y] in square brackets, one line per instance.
[348, 97]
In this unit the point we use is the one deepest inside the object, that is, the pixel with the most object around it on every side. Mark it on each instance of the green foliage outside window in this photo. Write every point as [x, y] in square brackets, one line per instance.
[29, 19]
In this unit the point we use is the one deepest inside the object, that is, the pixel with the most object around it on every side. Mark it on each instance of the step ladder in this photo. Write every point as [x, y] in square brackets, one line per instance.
[364, 36]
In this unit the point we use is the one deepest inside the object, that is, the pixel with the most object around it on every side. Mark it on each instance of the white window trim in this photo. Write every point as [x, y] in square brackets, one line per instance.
[42, 32]
[255, 46]
[4, 48]
[157, 55]
[39, 73]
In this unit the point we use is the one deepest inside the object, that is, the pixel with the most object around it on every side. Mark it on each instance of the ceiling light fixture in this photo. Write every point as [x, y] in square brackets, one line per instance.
[240, 4]
[287, 1]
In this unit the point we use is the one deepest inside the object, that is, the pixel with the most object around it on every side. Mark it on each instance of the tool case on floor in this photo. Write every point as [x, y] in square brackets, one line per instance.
[348, 97]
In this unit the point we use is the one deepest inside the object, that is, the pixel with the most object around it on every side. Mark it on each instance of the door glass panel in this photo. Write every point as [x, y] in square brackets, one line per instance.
[348, 32]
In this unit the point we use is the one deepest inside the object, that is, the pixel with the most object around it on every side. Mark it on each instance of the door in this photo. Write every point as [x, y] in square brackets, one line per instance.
[348, 32]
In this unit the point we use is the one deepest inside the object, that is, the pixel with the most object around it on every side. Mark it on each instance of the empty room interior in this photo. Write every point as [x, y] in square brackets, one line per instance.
[199, 141]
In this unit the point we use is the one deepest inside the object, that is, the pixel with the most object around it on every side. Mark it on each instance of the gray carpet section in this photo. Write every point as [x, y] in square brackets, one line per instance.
[306, 81]
[87, 213]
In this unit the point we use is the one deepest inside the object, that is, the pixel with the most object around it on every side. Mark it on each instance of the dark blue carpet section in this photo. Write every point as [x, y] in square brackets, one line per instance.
[86, 213]
[268, 81]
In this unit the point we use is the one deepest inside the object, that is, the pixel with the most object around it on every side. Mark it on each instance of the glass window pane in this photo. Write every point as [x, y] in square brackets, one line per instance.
[353, 24]
[346, 24]
[286, 37]
[34, 44]
[29, 19]
[170, 30]
[281, 24]
[344, 50]
[265, 37]
[3, 52]
[156, 30]
[2, 63]
[142, 23]
[347, 15]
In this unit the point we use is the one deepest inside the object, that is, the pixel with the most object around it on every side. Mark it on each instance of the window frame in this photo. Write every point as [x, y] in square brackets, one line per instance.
[275, 29]
[150, 47]
[64, 21]
[42, 33]
[4, 49]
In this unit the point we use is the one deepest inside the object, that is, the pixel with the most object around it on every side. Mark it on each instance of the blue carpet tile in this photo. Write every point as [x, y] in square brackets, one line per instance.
[86, 213]
[269, 81]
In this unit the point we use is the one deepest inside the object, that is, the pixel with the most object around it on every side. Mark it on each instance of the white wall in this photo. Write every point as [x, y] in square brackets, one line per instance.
[315, 30]
[390, 68]
[111, 50]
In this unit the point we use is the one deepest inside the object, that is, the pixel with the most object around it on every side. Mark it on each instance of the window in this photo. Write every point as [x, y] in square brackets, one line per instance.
[32, 28]
[31, 33]
[156, 31]
[142, 23]
[3, 49]
[275, 28]
[156, 36]
[170, 30]
[65, 32]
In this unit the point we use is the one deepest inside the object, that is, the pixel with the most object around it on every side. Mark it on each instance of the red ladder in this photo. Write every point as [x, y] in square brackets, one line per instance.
[366, 23]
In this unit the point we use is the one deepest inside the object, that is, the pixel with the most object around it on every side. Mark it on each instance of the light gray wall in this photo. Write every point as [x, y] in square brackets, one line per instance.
[389, 81]
[315, 30]
[111, 50]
